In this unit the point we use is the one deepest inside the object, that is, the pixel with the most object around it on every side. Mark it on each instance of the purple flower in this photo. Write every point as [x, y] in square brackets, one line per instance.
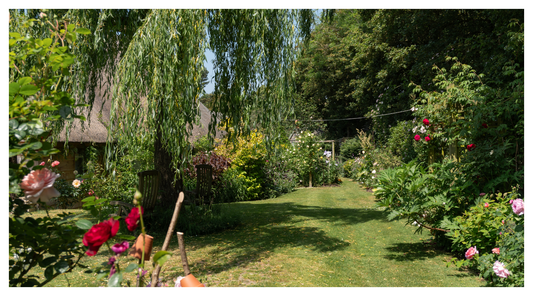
[120, 248]
[112, 260]
[518, 206]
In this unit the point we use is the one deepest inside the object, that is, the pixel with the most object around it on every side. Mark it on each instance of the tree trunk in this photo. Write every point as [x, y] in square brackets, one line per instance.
[163, 164]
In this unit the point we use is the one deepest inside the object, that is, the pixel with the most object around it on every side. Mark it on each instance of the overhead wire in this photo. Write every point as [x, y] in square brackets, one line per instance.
[354, 118]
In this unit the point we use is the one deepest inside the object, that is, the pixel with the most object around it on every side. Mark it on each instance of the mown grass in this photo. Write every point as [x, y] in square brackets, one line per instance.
[319, 237]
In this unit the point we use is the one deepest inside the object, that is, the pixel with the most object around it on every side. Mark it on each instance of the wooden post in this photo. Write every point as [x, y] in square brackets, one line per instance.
[155, 274]
[183, 254]
[310, 179]
[333, 150]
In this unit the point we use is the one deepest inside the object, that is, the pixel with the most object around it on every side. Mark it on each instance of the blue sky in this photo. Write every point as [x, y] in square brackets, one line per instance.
[209, 65]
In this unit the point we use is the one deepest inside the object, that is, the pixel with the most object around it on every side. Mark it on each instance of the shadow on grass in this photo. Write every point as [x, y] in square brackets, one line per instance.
[271, 226]
[412, 251]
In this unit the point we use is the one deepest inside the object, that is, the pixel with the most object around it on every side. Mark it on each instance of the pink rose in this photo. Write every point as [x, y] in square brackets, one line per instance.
[486, 205]
[511, 201]
[471, 252]
[427, 138]
[482, 194]
[39, 184]
[91, 192]
[417, 138]
[55, 163]
[425, 121]
[496, 251]
[120, 248]
[500, 270]
[518, 206]
[42, 163]
[470, 147]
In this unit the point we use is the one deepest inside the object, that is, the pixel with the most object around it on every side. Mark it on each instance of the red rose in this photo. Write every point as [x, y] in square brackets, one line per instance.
[417, 138]
[427, 138]
[133, 218]
[425, 121]
[470, 147]
[485, 125]
[99, 234]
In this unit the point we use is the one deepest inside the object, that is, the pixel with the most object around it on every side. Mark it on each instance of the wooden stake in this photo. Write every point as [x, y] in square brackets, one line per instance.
[155, 274]
[183, 254]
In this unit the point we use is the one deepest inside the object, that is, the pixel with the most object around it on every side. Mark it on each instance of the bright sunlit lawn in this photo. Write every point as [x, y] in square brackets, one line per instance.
[319, 237]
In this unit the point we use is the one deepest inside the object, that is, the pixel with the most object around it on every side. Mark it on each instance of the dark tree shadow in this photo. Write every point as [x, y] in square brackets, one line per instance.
[265, 229]
[412, 251]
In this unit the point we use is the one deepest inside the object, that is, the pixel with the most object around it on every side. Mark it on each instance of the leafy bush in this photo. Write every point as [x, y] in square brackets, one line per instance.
[37, 71]
[498, 232]
[279, 174]
[351, 148]
[479, 226]
[202, 145]
[401, 141]
[348, 168]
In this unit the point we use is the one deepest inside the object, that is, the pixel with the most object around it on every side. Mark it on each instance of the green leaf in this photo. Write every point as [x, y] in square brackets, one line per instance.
[115, 280]
[47, 261]
[88, 199]
[83, 31]
[61, 266]
[125, 236]
[47, 42]
[71, 27]
[84, 224]
[49, 272]
[161, 257]
[24, 80]
[131, 267]
[64, 111]
[28, 90]
[13, 88]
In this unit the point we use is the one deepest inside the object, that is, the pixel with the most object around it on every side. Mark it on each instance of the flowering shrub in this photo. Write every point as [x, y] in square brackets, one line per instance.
[499, 230]
[36, 103]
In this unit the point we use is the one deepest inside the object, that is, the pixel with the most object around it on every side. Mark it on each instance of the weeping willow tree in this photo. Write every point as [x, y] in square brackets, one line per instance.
[150, 64]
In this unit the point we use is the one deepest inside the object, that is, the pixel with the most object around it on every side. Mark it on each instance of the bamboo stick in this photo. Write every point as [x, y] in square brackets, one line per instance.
[155, 274]
[183, 254]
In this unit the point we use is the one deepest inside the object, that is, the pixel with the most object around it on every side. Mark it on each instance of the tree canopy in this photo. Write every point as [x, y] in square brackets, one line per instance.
[150, 62]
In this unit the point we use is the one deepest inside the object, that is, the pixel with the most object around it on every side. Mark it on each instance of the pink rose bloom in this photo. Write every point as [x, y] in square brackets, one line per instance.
[500, 270]
[76, 183]
[417, 138]
[511, 201]
[120, 248]
[496, 251]
[486, 205]
[482, 194]
[39, 184]
[518, 206]
[90, 192]
[425, 121]
[42, 163]
[471, 252]
[471, 147]
[427, 138]
[55, 163]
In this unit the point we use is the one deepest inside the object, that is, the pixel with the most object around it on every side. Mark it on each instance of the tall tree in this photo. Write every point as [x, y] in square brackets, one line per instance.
[152, 63]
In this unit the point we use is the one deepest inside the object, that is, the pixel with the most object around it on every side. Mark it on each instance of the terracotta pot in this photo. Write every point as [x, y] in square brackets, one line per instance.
[136, 250]
[190, 281]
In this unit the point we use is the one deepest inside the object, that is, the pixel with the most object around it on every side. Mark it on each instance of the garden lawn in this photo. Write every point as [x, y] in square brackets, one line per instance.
[318, 237]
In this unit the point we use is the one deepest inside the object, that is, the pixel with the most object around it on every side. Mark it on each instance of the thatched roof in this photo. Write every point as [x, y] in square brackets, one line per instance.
[95, 130]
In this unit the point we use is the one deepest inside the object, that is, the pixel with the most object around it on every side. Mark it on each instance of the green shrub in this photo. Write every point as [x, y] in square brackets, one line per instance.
[498, 233]
[351, 148]
[347, 168]
[401, 141]
[279, 176]
[202, 145]
[479, 226]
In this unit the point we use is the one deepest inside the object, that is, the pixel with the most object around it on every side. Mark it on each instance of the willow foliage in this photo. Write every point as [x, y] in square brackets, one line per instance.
[150, 64]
